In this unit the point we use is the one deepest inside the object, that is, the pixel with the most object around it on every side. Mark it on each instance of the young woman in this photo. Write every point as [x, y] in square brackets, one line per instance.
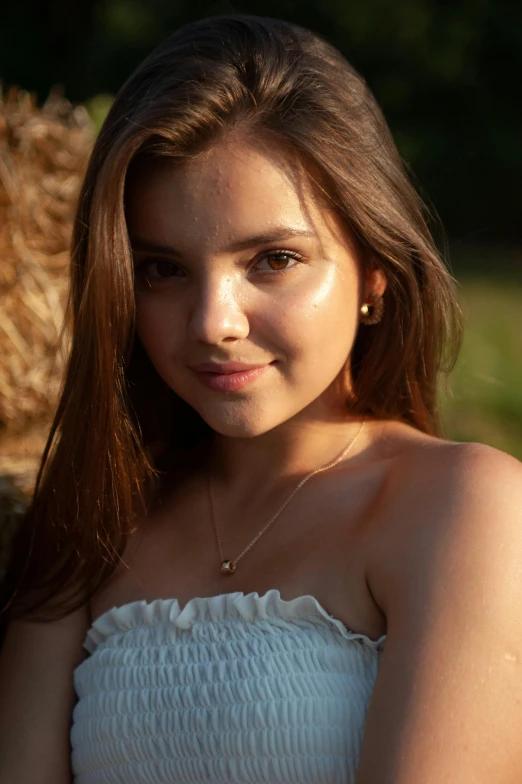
[251, 556]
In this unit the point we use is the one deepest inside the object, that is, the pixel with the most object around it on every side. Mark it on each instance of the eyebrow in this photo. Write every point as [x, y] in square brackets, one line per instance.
[277, 234]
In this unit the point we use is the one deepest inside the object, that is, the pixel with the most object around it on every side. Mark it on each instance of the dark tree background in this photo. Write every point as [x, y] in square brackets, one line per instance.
[447, 75]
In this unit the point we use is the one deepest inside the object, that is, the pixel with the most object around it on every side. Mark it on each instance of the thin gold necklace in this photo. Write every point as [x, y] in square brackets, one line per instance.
[228, 566]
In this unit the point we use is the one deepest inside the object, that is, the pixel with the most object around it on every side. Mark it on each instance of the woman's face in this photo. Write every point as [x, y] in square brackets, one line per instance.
[237, 263]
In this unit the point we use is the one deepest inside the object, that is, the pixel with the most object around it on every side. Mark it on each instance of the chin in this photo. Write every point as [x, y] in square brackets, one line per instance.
[238, 429]
[235, 426]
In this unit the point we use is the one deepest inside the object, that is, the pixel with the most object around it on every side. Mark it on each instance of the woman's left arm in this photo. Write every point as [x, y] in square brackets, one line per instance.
[447, 702]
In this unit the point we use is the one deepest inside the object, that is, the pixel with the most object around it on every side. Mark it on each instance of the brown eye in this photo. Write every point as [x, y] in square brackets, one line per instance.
[157, 269]
[166, 269]
[280, 260]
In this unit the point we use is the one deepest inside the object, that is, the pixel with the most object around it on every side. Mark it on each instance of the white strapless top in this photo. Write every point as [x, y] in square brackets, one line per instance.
[231, 688]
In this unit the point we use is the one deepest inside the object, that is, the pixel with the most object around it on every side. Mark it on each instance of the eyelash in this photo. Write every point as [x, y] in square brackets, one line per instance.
[141, 267]
[291, 253]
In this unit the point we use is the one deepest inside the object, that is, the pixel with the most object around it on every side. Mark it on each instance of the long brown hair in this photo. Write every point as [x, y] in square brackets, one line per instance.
[275, 81]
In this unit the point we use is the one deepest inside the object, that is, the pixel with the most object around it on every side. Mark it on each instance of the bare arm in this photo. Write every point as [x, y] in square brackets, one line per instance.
[37, 696]
[447, 703]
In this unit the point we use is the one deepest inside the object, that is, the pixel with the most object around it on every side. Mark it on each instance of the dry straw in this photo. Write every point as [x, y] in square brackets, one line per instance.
[43, 155]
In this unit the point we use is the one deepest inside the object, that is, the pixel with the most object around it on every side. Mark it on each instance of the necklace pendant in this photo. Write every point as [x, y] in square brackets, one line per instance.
[228, 567]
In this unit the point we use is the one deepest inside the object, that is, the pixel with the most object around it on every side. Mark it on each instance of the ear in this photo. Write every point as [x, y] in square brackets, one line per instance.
[375, 281]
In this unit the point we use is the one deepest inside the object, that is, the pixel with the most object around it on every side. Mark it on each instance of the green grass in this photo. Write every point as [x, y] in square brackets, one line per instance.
[485, 402]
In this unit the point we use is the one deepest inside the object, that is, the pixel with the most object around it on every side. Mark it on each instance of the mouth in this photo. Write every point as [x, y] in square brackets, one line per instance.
[225, 368]
[229, 376]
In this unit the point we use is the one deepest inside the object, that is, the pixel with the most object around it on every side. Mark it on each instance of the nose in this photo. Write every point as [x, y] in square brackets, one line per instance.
[217, 314]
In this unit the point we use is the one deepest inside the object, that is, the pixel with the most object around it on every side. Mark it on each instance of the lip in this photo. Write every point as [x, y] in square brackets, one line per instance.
[225, 367]
[229, 376]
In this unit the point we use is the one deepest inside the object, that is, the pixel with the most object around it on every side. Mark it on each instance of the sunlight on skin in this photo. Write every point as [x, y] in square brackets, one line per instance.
[202, 298]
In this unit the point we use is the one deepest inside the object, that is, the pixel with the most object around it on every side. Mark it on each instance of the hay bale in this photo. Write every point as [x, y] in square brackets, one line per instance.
[43, 154]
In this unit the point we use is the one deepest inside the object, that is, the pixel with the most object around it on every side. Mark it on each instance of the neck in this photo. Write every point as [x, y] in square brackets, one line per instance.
[253, 470]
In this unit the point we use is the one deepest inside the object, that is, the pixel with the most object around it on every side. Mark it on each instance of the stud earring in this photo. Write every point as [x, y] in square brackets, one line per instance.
[371, 312]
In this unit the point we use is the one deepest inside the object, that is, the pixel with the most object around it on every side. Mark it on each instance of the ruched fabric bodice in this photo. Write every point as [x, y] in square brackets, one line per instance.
[231, 688]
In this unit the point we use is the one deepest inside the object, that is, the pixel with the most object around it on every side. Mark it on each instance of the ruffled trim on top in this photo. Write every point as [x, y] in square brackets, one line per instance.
[223, 607]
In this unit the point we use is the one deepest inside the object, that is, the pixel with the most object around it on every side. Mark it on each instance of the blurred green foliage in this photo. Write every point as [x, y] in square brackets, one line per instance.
[485, 400]
[98, 106]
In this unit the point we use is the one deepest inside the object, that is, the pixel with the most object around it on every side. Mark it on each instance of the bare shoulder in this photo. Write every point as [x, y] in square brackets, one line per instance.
[441, 493]
[448, 698]
[459, 458]
[454, 477]
[457, 483]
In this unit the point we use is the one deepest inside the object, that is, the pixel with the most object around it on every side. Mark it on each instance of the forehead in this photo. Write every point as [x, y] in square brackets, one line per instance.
[233, 190]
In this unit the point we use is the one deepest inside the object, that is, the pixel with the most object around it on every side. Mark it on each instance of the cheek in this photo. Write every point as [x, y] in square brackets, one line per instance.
[313, 321]
[321, 320]
[158, 327]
